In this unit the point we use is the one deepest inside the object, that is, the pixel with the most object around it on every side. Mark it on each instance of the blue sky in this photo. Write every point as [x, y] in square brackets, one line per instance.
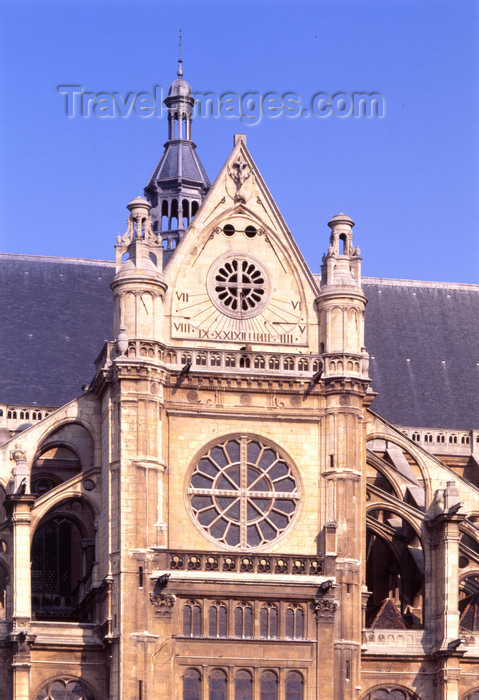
[410, 179]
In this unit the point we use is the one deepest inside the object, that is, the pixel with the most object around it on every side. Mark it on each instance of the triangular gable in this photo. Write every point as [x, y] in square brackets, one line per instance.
[388, 617]
[237, 275]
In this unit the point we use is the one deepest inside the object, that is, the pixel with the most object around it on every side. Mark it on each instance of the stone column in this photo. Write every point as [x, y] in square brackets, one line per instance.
[19, 507]
[324, 610]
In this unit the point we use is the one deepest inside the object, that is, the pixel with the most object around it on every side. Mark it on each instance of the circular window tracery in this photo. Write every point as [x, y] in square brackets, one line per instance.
[239, 285]
[243, 493]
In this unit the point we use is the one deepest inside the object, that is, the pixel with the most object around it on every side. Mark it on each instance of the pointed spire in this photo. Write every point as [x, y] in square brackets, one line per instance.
[180, 61]
[179, 181]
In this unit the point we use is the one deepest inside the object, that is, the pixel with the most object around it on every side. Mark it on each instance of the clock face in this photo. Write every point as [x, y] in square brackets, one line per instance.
[239, 303]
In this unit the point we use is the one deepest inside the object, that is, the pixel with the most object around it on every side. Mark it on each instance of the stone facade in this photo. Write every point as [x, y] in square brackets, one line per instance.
[220, 514]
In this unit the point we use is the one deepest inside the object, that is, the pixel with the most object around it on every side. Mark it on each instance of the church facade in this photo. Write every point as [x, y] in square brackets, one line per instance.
[220, 513]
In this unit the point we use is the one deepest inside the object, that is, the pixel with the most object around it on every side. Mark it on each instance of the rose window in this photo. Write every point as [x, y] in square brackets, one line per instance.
[238, 285]
[243, 493]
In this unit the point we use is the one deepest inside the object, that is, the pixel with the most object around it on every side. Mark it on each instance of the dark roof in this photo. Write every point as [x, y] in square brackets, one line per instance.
[55, 314]
[179, 160]
[423, 339]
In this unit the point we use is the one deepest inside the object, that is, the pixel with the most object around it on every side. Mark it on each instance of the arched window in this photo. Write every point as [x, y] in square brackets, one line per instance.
[273, 363]
[303, 365]
[185, 359]
[259, 362]
[201, 359]
[217, 620]
[288, 363]
[268, 686]
[389, 694]
[230, 361]
[65, 689]
[215, 360]
[191, 684]
[63, 553]
[245, 362]
[243, 685]
[192, 619]
[217, 685]
[294, 622]
[244, 621]
[294, 686]
[268, 622]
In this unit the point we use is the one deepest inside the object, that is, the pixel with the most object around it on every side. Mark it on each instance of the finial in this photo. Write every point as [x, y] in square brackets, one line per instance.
[180, 70]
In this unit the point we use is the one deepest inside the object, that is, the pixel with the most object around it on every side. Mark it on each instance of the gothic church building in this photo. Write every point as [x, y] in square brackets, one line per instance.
[263, 490]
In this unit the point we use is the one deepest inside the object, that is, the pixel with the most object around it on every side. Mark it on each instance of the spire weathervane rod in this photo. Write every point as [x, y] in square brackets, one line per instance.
[180, 61]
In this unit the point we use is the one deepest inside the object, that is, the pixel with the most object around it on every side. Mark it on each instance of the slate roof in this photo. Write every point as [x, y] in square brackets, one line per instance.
[55, 314]
[179, 160]
[423, 339]
[423, 342]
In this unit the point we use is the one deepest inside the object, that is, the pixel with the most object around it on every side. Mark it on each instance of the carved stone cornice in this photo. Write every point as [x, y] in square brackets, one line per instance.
[163, 603]
[324, 609]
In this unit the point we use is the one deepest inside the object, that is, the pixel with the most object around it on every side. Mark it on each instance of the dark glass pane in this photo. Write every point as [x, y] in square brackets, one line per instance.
[225, 502]
[191, 685]
[196, 627]
[187, 621]
[294, 686]
[229, 480]
[279, 520]
[231, 507]
[217, 685]
[233, 536]
[284, 485]
[269, 532]
[212, 620]
[299, 624]
[207, 516]
[238, 622]
[253, 536]
[207, 467]
[58, 691]
[280, 469]
[289, 631]
[284, 505]
[267, 458]
[50, 554]
[233, 450]
[218, 529]
[268, 686]
[74, 690]
[243, 686]
[217, 453]
[222, 618]
[263, 623]
[248, 622]
[252, 475]
[253, 451]
[261, 505]
[273, 623]
[200, 481]
[200, 502]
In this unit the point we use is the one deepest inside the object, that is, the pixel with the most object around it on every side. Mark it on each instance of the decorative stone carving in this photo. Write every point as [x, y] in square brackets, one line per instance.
[344, 400]
[17, 454]
[163, 603]
[239, 173]
[324, 608]
[192, 396]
